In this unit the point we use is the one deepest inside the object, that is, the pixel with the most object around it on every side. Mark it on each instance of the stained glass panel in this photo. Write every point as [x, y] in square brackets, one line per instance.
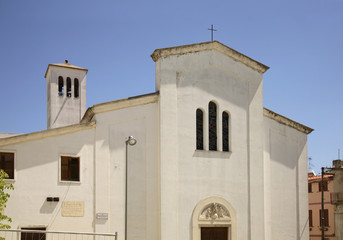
[212, 125]
[225, 132]
[200, 129]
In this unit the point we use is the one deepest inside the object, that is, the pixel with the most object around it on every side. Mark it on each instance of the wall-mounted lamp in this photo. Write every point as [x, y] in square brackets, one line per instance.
[131, 141]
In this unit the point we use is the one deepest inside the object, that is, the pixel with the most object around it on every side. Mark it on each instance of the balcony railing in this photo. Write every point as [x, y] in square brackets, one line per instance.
[15, 234]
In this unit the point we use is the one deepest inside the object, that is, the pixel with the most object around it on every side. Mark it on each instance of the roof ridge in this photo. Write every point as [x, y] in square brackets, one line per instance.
[205, 46]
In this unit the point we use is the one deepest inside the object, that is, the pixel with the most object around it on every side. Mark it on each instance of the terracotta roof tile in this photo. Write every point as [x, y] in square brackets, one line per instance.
[319, 178]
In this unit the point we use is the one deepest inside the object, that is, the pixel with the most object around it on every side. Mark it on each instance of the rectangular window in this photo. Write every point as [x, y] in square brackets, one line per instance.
[310, 187]
[326, 217]
[7, 163]
[310, 218]
[70, 168]
[325, 186]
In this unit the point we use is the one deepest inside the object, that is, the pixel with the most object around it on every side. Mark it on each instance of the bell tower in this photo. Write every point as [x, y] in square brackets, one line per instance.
[66, 94]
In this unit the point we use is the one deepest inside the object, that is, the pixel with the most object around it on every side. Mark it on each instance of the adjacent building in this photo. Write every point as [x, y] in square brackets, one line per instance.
[337, 196]
[315, 206]
[209, 162]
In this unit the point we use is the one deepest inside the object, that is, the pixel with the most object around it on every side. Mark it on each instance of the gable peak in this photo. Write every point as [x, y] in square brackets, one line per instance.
[207, 46]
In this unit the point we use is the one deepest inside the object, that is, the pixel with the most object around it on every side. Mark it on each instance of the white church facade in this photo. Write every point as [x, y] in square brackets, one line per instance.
[209, 162]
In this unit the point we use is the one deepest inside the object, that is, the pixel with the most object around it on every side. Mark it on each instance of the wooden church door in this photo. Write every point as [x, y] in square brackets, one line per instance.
[214, 233]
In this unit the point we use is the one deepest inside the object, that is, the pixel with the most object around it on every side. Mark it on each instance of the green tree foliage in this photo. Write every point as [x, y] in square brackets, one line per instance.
[4, 186]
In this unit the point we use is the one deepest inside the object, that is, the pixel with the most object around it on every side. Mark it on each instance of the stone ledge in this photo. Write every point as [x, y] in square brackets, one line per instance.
[119, 104]
[286, 121]
[46, 133]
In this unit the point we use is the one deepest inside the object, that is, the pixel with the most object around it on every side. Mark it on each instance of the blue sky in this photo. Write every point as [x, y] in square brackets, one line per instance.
[300, 40]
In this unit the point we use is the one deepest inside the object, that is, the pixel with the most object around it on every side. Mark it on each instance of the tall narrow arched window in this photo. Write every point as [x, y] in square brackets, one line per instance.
[200, 129]
[68, 87]
[76, 87]
[212, 126]
[60, 86]
[225, 125]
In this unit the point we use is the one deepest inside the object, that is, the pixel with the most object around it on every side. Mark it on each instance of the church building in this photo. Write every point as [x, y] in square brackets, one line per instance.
[198, 159]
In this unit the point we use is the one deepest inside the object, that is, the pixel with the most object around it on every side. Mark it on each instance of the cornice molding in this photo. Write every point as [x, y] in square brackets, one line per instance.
[206, 46]
[286, 121]
[46, 133]
[64, 65]
[86, 122]
[119, 104]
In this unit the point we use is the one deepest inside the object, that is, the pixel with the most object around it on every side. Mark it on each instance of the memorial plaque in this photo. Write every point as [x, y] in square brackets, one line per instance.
[73, 209]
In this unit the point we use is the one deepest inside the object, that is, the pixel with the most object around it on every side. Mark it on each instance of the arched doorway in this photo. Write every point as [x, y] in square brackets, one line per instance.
[214, 218]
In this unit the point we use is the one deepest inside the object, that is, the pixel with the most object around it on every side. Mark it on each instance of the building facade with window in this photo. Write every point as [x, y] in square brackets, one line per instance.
[315, 205]
[210, 161]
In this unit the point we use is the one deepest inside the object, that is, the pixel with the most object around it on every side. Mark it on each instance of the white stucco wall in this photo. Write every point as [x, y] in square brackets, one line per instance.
[37, 177]
[286, 194]
[113, 129]
[189, 82]
[102, 186]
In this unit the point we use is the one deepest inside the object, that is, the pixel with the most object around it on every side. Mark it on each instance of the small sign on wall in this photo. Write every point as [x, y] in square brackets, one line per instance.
[73, 209]
[103, 216]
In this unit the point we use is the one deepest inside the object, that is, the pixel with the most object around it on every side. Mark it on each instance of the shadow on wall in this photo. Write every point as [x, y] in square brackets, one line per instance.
[286, 146]
[48, 207]
[48, 150]
[222, 83]
[287, 151]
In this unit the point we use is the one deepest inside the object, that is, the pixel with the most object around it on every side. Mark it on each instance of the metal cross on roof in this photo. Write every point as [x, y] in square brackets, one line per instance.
[212, 29]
